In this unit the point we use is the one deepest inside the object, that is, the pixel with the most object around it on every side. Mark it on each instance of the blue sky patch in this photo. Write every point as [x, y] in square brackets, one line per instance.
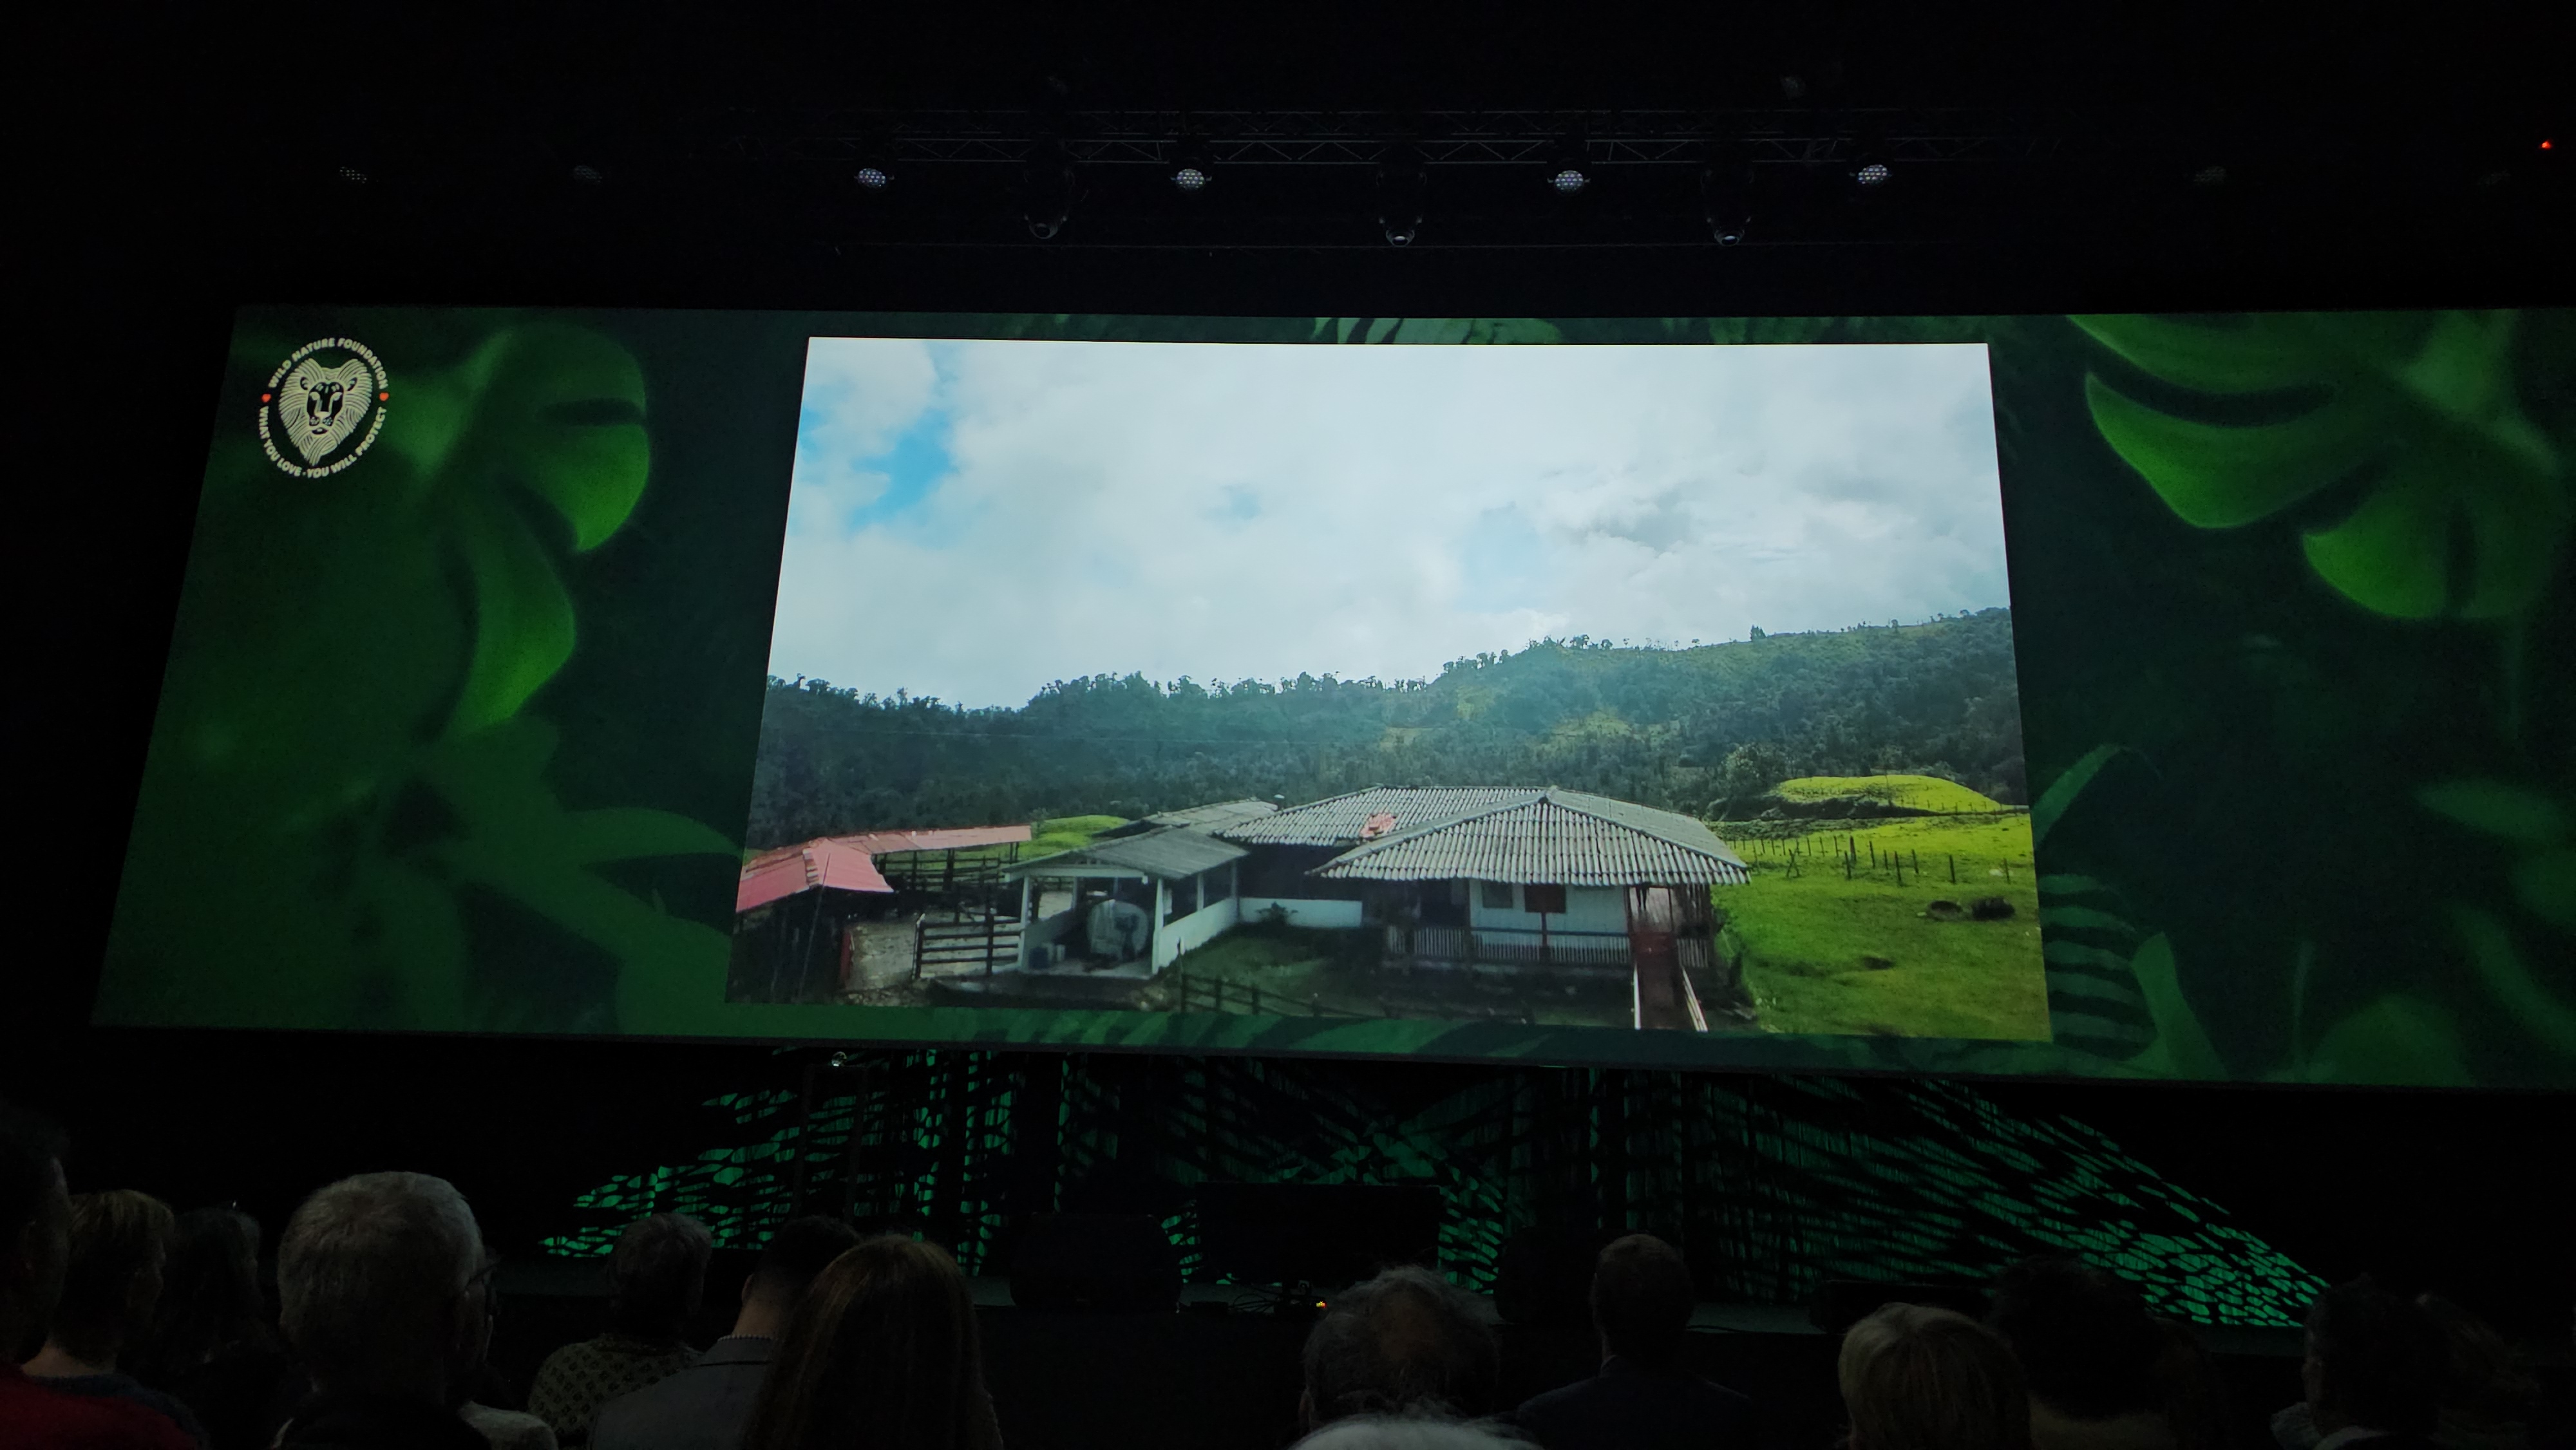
[913, 468]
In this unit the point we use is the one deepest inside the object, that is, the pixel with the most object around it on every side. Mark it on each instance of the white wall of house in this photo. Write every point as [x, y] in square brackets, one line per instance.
[1587, 909]
[1327, 915]
[1196, 929]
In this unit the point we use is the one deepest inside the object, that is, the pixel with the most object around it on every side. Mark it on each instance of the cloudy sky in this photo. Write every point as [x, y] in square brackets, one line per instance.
[973, 519]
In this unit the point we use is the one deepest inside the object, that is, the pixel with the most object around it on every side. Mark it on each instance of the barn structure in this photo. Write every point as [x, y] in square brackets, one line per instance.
[1526, 881]
[799, 907]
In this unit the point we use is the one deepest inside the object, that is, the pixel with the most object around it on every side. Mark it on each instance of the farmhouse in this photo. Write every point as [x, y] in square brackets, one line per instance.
[1522, 880]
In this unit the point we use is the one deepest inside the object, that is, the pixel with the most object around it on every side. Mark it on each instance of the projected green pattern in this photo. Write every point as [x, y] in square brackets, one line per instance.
[2287, 592]
[1780, 1184]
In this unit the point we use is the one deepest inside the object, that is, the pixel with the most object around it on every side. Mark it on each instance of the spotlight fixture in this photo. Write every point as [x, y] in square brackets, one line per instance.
[1399, 196]
[1568, 166]
[1190, 167]
[2212, 175]
[1047, 190]
[353, 176]
[871, 177]
[1726, 197]
[1871, 171]
[588, 175]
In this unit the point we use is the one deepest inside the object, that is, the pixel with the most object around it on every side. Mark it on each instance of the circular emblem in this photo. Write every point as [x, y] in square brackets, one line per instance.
[323, 407]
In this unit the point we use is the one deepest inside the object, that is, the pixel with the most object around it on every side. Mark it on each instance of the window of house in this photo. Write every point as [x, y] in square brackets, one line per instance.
[1185, 898]
[1549, 900]
[1498, 895]
[1216, 885]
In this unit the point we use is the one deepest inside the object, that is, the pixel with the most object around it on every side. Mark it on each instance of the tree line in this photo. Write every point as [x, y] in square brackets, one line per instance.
[1686, 729]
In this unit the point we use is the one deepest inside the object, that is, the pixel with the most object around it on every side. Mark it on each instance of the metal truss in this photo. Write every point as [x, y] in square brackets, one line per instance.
[1802, 136]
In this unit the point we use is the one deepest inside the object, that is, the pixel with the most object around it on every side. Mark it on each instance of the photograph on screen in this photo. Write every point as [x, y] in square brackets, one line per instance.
[1629, 687]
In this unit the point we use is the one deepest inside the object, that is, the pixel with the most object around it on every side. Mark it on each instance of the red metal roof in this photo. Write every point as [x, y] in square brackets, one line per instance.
[848, 863]
[951, 838]
[783, 873]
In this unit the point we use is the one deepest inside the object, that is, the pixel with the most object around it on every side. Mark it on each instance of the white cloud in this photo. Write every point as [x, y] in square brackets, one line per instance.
[1230, 511]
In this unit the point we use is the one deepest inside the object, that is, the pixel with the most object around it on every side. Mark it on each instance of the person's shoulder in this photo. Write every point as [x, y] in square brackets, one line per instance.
[1547, 1416]
[64, 1421]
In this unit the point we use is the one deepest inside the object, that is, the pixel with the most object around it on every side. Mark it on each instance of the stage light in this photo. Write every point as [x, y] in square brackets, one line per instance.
[872, 178]
[353, 176]
[1191, 169]
[1047, 190]
[1726, 200]
[1399, 197]
[588, 175]
[2210, 176]
[1568, 167]
[1872, 172]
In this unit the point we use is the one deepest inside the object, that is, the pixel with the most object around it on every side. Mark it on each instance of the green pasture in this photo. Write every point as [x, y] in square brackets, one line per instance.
[1804, 930]
[1916, 792]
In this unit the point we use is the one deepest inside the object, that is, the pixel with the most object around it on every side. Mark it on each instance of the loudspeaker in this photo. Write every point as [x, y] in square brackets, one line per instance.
[1112, 1263]
[1842, 1303]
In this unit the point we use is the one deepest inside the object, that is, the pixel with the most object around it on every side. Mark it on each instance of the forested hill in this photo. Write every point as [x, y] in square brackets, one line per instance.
[1685, 729]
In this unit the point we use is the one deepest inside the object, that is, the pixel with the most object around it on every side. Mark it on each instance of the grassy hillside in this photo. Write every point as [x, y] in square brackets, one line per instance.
[1837, 948]
[1914, 792]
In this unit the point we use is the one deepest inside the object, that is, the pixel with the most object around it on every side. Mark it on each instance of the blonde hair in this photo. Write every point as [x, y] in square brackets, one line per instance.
[1918, 1378]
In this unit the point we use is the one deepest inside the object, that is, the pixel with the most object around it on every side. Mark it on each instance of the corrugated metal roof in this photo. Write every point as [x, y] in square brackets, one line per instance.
[1340, 820]
[1168, 852]
[1214, 817]
[1563, 838]
[847, 863]
[945, 838]
[776, 875]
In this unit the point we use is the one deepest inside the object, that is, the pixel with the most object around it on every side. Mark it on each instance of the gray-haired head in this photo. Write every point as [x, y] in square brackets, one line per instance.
[657, 1274]
[1404, 1342]
[1411, 1432]
[371, 1272]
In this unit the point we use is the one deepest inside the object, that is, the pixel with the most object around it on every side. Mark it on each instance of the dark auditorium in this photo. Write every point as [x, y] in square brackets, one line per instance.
[1357, 727]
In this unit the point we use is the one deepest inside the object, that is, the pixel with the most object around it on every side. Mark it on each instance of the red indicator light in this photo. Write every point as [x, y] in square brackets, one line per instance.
[2544, 145]
[263, 397]
[384, 397]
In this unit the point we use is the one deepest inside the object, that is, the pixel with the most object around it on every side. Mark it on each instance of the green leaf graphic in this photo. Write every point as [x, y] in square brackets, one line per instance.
[2061, 792]
[2498, 809]
[2424, 416]
[2399, 1041]
[2181, 1049]
[2492, 952]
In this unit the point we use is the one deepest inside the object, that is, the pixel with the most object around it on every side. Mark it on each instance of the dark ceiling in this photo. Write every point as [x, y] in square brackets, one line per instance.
[2052, 151]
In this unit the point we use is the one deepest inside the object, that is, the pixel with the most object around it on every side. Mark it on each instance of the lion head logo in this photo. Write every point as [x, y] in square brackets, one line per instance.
[323, 411]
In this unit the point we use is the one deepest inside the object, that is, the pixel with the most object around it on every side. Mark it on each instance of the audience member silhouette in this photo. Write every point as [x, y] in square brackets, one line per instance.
[706, 1406]
[656, 1275]
[2088, 1350]
[1642, 1398]
[2192, 1396]
[882, 1354]
[486, 1405]
[2488, 1398]
[1918, 1378]
[1405, 1342]
[35, 1255]
[382, 1291]
[120, 1240]
[2374, 1369]
[210, 1343]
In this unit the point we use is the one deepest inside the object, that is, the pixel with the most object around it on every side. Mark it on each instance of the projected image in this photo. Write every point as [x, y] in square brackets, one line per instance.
[1635, 687]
